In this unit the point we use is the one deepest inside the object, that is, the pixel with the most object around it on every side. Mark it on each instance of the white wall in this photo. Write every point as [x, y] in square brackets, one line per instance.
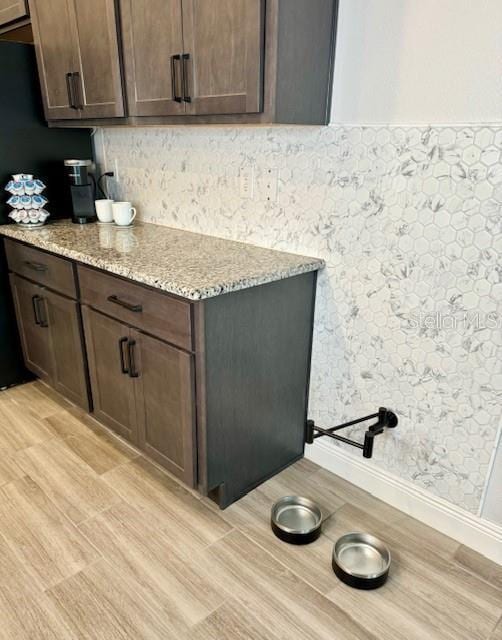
[492, 507]
[419, 61]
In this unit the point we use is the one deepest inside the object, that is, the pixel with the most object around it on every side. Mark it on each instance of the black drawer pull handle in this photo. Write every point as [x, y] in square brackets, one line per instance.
[42, 304]
[136, 308]
[40, 319]
[123, 367]
[69, 89]
[174, 78]
[34, 301]
[77, 89]
[132, 365]
[186, 93]
[36, 266]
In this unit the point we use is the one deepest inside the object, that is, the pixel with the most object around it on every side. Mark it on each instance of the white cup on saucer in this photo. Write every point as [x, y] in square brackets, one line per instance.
[104, 210]
[123, 213]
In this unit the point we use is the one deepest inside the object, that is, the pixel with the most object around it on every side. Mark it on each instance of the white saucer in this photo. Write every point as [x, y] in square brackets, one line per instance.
[105, 224]
[123, 226]
[30, 225]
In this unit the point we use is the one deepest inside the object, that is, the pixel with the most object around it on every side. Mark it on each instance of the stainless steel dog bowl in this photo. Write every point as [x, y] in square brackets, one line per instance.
[361, 560]
[296, 520]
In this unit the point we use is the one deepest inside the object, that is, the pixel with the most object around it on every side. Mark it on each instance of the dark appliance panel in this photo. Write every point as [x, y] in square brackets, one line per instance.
[27, 145]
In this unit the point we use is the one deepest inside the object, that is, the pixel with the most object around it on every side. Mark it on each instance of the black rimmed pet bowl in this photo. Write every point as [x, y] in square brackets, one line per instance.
[296, 520]
[361, 560]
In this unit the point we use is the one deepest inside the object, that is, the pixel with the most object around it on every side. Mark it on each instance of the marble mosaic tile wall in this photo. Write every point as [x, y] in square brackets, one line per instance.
[409, 308]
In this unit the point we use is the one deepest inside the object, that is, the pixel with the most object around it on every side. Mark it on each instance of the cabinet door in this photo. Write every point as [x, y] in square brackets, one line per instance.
[153, 43]
[224, 42]
[165, 405]
[12, 10]
[98, 83]
[53, 33]
[112, 388]
[33, 327]
[69, 373]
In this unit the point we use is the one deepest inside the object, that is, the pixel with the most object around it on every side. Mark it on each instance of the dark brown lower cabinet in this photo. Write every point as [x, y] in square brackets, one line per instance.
[65, 330]
[112, 387]
[165, 405]
[213, 390]
[35, 338]
[143, 389]
[50, 330]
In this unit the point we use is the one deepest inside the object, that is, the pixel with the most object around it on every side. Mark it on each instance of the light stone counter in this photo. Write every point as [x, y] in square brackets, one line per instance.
[189, 265]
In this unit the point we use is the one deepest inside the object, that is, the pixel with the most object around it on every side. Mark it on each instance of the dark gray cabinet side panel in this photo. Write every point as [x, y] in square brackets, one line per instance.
[306, 49]
[258, 349]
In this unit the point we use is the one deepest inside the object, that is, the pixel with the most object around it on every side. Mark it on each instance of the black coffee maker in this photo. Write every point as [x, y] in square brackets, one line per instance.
[83, 190]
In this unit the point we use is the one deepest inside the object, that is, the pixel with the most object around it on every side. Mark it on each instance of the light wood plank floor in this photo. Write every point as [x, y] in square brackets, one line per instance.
[97, 542]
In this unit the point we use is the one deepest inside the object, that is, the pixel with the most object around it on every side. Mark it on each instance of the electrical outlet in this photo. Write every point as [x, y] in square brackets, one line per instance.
[271, 184]
[246, 177]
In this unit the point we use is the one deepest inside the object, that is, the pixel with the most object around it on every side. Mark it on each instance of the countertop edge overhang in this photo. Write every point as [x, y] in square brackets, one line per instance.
[186, 264]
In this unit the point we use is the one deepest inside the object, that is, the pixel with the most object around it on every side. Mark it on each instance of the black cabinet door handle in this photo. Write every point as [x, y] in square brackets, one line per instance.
[186, 92]
[132, 364]
[123, 367]
[41, 303]
[136, 308]
[77, 90]
[174, 78]
[34, 300]
[36, 266]
[69, 89]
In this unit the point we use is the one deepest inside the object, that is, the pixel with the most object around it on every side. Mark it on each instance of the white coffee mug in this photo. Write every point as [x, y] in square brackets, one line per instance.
[104, 210]
[123, 213]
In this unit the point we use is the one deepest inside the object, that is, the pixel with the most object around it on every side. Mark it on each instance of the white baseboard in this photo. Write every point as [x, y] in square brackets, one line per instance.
[476, 533]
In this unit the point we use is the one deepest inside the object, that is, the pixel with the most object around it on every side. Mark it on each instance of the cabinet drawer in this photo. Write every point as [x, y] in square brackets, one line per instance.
[154, 312]
[11, 10]
[39, 266]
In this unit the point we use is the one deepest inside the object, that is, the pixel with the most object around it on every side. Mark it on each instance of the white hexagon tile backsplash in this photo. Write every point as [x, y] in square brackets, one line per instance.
[409, 308]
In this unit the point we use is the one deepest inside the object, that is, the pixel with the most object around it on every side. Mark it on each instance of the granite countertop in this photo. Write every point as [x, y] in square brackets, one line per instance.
[190, 265]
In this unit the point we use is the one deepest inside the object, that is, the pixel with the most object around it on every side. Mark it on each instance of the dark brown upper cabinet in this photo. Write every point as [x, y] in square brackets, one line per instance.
[235, 61]
[153, 43]
[12, 10]
[78, 58]
[192, 57]
[56, 56]
[186, 61]
[223, 52]
[98, 87]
